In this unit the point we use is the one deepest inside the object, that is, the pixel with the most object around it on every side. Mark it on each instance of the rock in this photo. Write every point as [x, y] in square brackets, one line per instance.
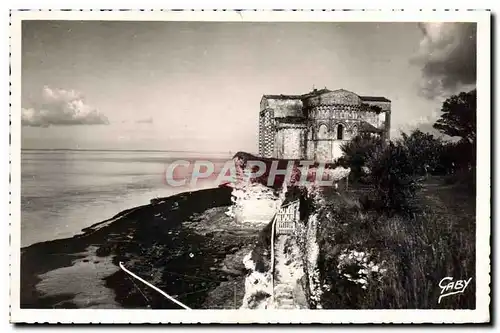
[231, 271]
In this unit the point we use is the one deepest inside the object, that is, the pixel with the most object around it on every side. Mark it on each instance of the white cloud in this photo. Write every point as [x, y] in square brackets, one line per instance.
[61, 107]
[423, 123]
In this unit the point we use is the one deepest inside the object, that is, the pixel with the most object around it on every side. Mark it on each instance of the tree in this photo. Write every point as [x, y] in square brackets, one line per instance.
[392, 176]
[424, 151]
[357, 151]
[459, 116]
[459, 120]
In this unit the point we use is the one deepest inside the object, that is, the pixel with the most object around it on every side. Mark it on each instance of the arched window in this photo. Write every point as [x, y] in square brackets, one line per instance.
[340, 132]
[323, 132]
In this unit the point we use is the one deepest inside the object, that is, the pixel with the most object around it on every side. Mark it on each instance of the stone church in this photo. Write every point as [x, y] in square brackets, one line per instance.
[313, 126]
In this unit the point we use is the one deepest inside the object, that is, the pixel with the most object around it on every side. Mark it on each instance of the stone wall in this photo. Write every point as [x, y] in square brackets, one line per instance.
[310, 145]
[254, 204]
[384, 106]
[331, 116]
[371, 118]
[323, 144]
[286, 107]
[340, 96]
[290, 141]
[294, 143]
[266, 133]
[323, 150]
[385, 116]
[320, 117]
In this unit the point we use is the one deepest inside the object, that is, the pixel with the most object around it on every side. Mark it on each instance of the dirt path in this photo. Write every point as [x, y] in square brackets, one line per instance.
[289, 272]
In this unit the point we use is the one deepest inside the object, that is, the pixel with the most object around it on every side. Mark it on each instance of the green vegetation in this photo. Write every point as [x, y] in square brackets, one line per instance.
[357, 152]
[407, 220]
[416, 252]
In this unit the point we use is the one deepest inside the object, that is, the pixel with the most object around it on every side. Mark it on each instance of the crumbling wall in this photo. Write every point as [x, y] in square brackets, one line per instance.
[306, 236]
[336, 149]
[254, 203]
[258, 286]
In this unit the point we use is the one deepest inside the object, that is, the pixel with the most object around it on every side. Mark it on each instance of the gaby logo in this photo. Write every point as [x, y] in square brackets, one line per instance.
[450, 287]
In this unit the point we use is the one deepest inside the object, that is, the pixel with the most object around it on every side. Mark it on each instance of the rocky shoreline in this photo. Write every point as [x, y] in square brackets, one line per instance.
[185, 245]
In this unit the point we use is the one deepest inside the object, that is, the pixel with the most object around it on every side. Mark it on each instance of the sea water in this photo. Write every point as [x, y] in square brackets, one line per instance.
[64, 191]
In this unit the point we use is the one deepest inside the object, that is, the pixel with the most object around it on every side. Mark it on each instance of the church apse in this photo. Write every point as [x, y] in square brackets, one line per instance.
[313, 126]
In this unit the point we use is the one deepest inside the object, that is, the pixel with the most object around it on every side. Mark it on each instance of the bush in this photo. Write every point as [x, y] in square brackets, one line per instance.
[357, 152]
[391, 175]
[411, 256]
[424, 151]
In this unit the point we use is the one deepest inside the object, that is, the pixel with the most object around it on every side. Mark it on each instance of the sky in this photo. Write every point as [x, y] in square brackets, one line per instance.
[197, 86]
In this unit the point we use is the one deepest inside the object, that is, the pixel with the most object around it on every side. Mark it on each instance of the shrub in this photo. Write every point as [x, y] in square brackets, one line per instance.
[424, 151]
[391, 174]
[357, 152]
[372, 261]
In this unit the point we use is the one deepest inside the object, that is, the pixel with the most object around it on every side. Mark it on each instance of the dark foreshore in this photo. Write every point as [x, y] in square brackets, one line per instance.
[184, 244]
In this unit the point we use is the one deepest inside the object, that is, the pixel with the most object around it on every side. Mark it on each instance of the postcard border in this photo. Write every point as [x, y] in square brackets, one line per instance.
[483, 211]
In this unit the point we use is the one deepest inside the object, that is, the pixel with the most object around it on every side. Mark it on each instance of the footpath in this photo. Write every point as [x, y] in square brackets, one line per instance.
[289, 275]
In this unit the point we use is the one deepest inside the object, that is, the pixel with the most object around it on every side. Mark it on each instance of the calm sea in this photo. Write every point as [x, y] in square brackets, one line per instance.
[64, 191]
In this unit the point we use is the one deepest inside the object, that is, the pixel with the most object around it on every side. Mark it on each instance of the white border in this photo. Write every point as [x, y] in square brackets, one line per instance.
[480, 314]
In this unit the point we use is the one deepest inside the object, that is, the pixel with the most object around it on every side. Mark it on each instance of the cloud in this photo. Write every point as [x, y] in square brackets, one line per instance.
[447, 56]
[145, 121]
[61, 107]
[423, 123]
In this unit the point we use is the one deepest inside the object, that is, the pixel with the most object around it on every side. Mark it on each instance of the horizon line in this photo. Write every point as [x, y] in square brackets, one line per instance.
[131, 150]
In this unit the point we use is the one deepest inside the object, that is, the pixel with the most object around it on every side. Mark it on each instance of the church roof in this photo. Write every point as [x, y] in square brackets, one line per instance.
[369, 128]
[374, 99]
[317, 92]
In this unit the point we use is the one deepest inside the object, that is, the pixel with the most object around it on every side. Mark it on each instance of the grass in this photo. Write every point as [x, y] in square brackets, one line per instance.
[416, 252]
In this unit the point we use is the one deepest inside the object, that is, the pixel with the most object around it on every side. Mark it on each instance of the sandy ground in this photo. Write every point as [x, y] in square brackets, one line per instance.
[83, 279]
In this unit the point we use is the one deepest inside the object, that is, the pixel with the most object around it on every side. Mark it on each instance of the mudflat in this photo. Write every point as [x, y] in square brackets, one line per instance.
[185, 245]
